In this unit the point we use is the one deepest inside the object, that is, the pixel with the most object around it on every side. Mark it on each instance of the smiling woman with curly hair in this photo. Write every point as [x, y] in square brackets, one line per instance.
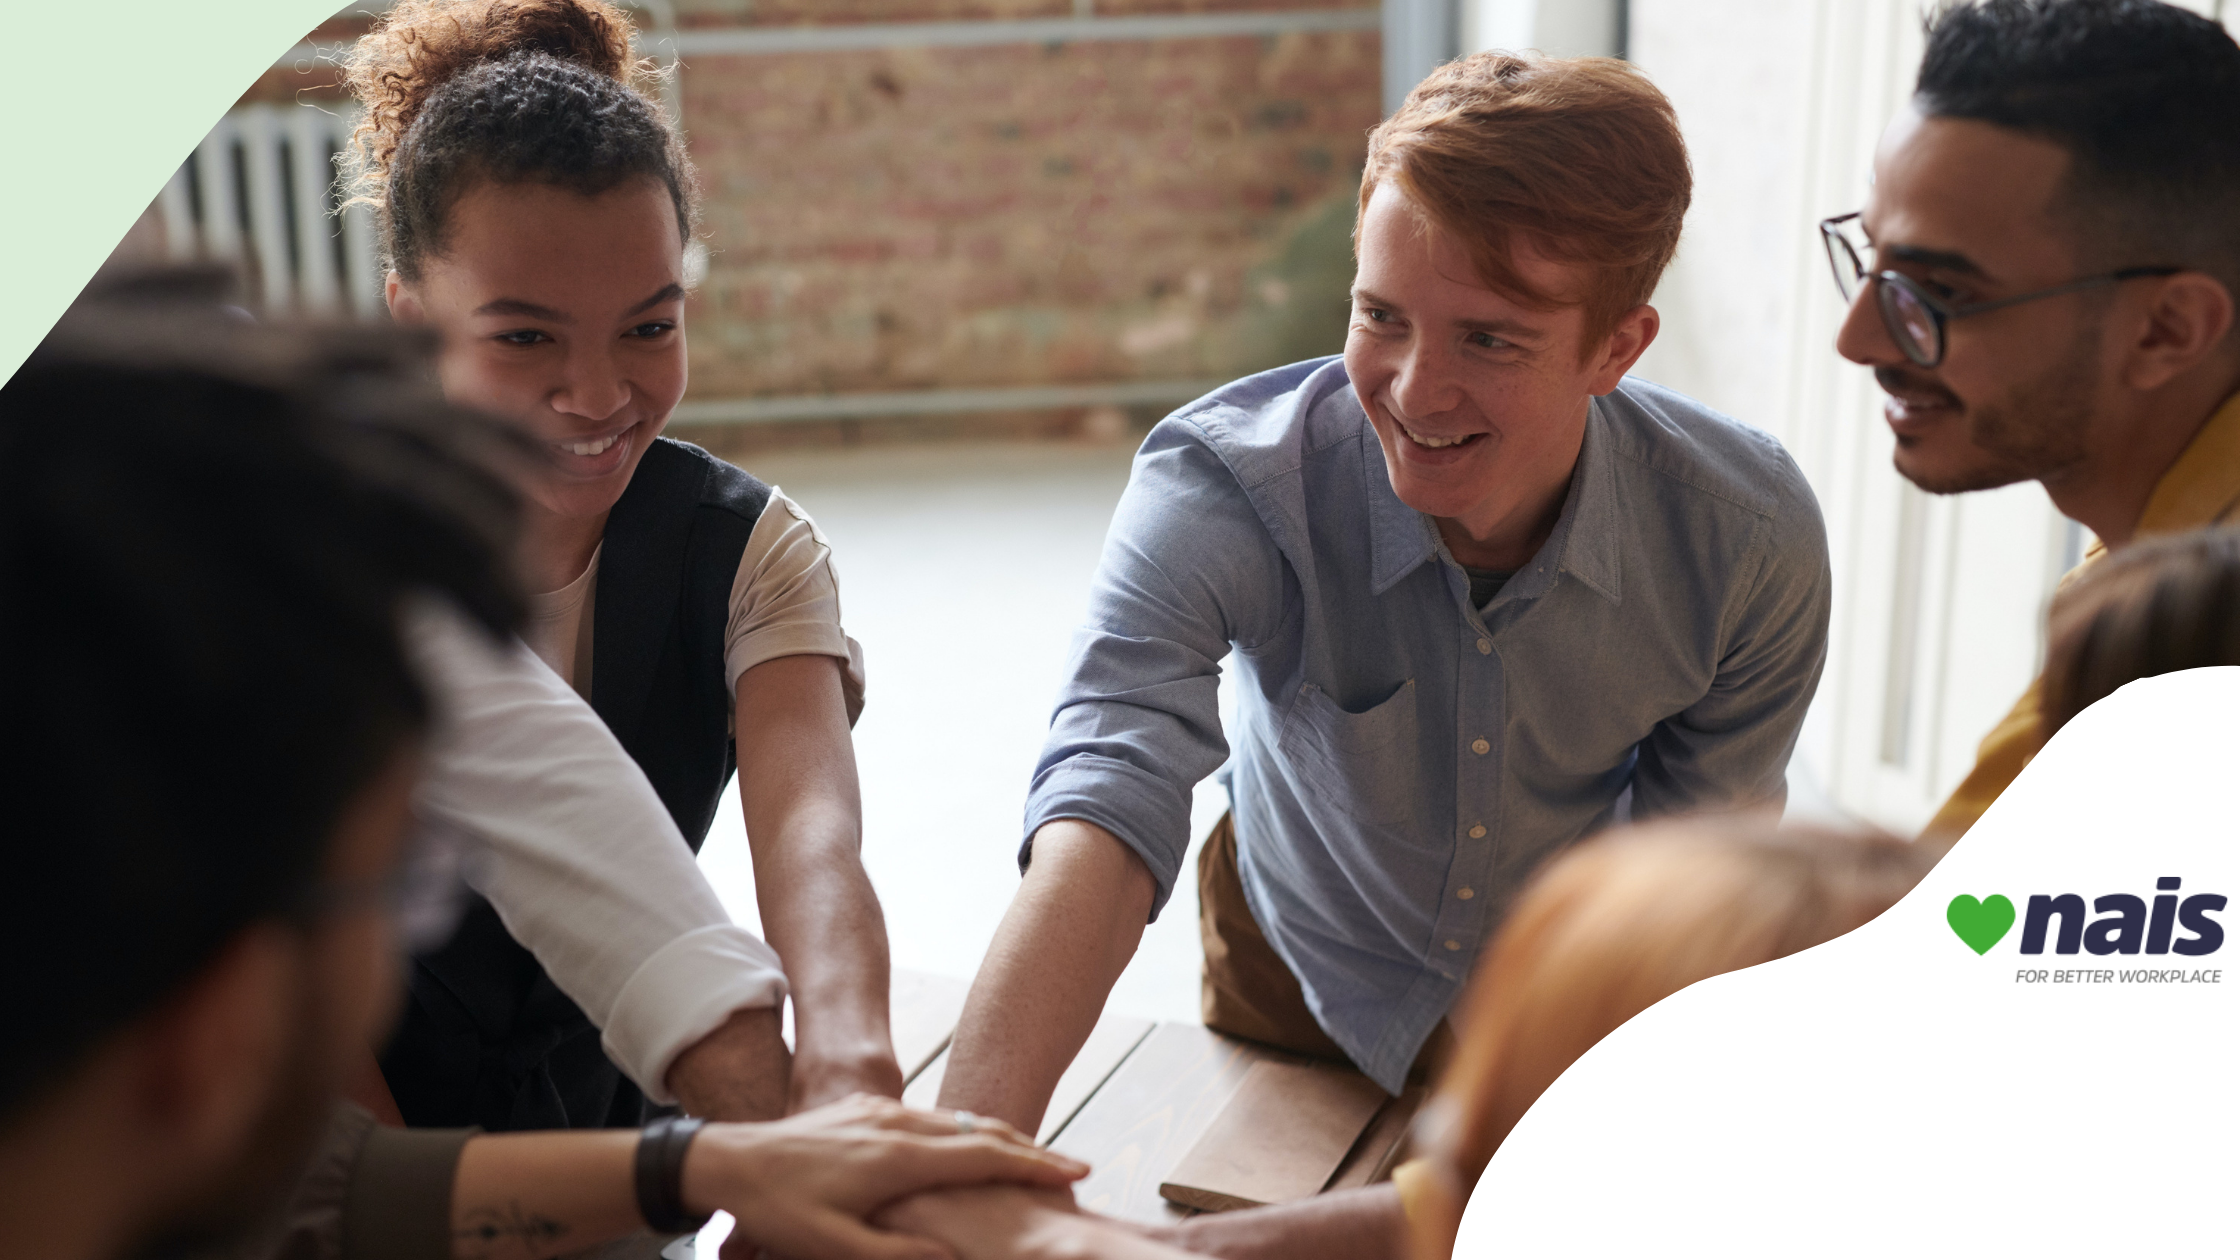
[535, 206]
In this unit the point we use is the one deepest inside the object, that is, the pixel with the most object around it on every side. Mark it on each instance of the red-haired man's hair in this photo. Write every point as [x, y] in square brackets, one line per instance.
[1580, 157]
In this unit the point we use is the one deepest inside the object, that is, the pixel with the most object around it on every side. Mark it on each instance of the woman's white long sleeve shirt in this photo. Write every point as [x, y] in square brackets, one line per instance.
[577, 853]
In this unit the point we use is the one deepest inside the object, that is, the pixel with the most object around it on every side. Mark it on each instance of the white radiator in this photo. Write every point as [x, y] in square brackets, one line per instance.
[260, 191]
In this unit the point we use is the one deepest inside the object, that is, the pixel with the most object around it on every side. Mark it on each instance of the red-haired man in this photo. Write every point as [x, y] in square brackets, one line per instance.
[1479, 590]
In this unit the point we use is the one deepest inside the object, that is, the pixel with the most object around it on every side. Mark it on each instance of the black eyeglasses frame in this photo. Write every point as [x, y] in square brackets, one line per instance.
[1893, 287]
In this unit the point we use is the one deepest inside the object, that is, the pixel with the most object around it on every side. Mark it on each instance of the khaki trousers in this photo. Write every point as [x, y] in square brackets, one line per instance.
[1249, 991]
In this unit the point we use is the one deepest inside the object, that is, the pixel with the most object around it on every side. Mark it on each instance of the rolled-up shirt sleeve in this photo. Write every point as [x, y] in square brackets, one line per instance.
[1188, 570]
[578, 855]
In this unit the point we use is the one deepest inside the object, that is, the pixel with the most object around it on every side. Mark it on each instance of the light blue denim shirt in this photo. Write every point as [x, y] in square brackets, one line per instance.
[1400, 763]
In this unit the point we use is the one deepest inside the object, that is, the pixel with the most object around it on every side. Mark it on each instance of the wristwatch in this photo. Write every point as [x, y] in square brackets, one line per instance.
[660, 1174]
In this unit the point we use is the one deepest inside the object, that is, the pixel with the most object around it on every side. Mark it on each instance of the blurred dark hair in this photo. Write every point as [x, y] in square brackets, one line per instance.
[2144, 96]
[207, 532]
[2156, 607]
[516, 91]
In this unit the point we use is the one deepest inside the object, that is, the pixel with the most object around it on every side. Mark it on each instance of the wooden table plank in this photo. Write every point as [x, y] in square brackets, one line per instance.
[922, 1012]
[1280, 1138]
[1110, 1043]
[1134, 1100]
[1379, 1146]
[1149, 1113]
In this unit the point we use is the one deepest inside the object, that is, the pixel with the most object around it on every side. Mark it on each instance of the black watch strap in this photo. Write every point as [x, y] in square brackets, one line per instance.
[660, 1174]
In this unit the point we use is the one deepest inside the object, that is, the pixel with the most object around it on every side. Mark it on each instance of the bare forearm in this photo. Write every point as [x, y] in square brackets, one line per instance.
[1364, 1224]
[804, 816]
[741, 1071]
[822, 916]
[1070, 931]
[1010, 1223]
[527, 1196]
[798, 1186]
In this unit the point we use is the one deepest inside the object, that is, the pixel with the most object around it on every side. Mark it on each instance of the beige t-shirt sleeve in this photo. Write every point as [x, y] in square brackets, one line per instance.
[785, 601]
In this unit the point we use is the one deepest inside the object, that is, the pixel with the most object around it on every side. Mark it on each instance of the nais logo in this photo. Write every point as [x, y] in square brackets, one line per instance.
[2126, 925]
[1980, 923]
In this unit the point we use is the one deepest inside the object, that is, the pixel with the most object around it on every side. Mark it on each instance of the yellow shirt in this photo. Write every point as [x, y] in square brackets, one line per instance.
[2202, 488]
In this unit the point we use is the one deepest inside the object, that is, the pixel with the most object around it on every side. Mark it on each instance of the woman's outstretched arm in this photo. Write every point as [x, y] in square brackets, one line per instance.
[804, 816]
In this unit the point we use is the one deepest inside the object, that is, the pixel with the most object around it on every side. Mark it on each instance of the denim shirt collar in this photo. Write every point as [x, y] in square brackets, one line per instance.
[1584, 543]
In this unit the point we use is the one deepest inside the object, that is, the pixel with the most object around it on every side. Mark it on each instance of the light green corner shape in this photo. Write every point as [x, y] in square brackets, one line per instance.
[102, 103]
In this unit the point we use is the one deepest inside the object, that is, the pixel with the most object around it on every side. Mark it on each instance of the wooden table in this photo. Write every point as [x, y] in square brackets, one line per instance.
[1134, 1100]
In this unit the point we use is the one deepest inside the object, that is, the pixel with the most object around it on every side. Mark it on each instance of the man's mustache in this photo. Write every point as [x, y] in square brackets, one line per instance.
[1896, 380]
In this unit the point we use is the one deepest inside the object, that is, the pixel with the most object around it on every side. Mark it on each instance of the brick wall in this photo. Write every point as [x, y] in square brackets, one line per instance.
[1021, 214]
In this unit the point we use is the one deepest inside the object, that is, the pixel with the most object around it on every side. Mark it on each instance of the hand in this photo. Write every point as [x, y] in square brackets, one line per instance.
[826, 1075]
[1008, 1221]
[1361, 1224]
[803, 1186]
[1017, 1223]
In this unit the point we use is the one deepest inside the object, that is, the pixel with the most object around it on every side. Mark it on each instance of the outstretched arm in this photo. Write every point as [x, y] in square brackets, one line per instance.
[741, 1071]
[1070, 931]
[1013, 1223]
[804, 816]
[1363, 1224]
[587, 869]
[799, 1186]
[1188, 570]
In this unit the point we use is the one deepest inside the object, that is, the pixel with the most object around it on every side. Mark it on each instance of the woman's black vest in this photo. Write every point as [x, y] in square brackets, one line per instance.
[486, 1037]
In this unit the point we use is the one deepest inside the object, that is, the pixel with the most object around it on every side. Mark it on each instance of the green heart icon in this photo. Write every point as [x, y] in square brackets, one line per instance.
[1980, 923]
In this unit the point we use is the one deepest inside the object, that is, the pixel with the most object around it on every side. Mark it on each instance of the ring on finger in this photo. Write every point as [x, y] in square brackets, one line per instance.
[966, 1122]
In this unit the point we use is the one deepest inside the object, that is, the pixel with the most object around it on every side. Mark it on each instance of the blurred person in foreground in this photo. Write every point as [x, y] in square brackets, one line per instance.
[2158, 607]
[1608, 930]
[575, 851]
[1482, 593]
[224, 553]
[2043, 275]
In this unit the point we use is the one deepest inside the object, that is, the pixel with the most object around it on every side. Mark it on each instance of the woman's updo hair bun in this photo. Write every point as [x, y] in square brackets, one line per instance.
[516, 91]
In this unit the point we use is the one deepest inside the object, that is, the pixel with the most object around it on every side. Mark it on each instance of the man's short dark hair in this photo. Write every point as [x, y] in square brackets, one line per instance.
[2144, 96]
[207, 533]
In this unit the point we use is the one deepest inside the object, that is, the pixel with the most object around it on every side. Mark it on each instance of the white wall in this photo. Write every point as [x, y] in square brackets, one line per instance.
[964, 571]
[1560, 28]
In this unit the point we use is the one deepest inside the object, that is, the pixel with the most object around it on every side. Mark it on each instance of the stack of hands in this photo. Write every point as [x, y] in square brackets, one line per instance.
[869, 1177]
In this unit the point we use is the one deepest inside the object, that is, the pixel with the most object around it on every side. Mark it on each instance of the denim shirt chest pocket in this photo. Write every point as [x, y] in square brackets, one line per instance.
[1351, 761]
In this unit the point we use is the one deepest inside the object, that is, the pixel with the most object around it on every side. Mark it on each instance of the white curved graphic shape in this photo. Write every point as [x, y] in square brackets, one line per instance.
[1891, 1093]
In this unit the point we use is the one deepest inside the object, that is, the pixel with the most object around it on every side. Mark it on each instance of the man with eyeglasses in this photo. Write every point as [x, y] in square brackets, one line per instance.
[2042, 279]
